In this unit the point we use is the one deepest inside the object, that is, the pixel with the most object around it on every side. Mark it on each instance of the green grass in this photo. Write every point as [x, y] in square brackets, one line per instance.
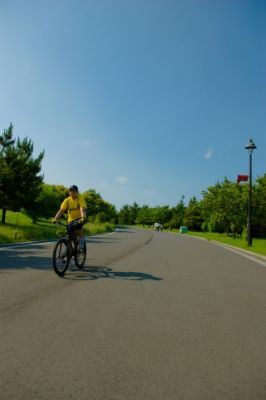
[258, 245]
[19, 228]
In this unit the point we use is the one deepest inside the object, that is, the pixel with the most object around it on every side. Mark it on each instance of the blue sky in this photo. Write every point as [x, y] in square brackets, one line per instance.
[142, 100]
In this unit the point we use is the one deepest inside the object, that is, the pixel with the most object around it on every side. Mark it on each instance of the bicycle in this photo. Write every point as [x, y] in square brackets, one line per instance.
[69, 246]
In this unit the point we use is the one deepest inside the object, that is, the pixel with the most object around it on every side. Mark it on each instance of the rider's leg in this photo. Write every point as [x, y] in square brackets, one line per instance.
[79, 233]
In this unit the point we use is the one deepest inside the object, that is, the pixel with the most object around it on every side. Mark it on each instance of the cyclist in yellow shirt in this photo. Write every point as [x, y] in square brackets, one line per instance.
[75, 206]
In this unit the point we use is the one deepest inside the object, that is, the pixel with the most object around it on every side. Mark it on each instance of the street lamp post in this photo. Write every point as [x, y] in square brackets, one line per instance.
[250, 147]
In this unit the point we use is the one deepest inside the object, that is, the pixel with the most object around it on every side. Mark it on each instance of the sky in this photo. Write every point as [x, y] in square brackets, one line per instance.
[141, 100]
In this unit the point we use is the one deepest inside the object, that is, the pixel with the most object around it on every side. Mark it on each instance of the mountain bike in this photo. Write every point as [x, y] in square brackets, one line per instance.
[68, 246]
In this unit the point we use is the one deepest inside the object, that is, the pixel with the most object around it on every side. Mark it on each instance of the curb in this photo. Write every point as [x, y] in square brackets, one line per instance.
[26, 243]
[250, 253]
[239, 249]
[45, 241]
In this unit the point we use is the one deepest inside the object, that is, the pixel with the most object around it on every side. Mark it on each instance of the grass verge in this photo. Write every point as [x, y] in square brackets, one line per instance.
[19, 228]
[258, 245]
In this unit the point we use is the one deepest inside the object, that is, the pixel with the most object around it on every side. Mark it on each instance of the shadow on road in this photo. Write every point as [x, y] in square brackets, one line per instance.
[26, 257]
[38, 255]
[35, 257]
[99, 272]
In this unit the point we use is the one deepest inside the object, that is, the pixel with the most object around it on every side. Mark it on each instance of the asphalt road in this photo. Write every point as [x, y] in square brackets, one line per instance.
[153, 316]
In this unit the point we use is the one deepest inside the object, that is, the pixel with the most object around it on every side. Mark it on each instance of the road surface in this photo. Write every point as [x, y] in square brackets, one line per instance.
[153, 316]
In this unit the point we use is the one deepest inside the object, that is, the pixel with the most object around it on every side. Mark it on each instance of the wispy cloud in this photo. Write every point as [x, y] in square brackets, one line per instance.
[122, 181]
[150, 191]
[209, 153]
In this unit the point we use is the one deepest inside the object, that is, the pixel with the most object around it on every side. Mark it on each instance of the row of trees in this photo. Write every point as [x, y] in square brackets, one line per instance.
[223, 207]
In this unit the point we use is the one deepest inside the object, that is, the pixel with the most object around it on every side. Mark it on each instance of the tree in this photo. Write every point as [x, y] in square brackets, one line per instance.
[163, 215]
[19, 171]
[61, 191]
[5, 142]
[97, 208]
[259, 207]
[93, 201]
[193, 216]
[133, 212]
[178, 214]
[46, 204]
[224, 207]
[124, 215]
[128, 214]
[145, 216]
[6, 139]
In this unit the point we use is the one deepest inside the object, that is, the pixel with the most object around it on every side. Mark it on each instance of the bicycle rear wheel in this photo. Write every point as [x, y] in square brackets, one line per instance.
[80, 253]
[61, 257]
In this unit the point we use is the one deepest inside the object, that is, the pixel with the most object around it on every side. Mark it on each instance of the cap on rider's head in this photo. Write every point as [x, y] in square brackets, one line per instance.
[73, 188]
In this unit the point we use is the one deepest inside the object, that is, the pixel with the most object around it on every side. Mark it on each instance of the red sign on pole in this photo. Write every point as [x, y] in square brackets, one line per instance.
[242, 178]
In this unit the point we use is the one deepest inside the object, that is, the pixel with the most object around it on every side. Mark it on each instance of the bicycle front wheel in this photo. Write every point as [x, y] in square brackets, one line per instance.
[61, 257]
[80, 253]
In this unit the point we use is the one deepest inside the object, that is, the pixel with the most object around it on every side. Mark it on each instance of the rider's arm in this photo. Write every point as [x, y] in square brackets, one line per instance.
[83, 208]
[59, 214]
[63, 208]
[83, 213]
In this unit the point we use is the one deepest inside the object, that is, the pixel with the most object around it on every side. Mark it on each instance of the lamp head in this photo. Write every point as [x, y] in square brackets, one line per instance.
[250, 146]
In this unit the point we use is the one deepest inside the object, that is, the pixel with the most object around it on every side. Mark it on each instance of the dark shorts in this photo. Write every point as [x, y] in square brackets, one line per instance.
[73, 226]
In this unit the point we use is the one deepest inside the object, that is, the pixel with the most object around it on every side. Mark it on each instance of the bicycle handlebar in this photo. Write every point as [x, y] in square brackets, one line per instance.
[74, 222]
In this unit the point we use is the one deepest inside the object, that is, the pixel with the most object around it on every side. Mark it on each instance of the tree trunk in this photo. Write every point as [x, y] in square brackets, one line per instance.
[4, 215]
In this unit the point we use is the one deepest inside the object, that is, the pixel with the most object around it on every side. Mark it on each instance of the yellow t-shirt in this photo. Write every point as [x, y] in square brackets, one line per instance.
[73, 207]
